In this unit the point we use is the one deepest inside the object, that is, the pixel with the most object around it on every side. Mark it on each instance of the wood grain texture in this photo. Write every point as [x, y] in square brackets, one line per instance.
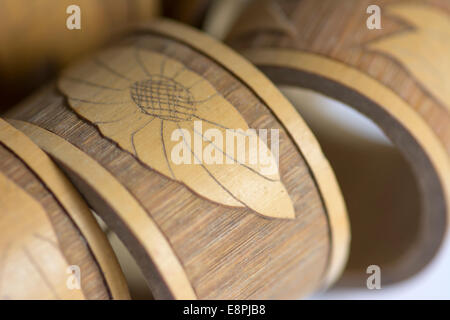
[158, 98]
[396, 76]
[50, 230]
[218, 250]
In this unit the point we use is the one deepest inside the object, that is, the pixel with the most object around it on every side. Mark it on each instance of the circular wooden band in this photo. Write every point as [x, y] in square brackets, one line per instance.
[358, 81]
[183, 243]
[294, 124]
[122, 202]
[72, 202]
[315, 71]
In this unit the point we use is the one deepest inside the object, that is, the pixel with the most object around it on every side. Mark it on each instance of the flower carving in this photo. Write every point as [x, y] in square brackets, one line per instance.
[424, 48]
[138, 98]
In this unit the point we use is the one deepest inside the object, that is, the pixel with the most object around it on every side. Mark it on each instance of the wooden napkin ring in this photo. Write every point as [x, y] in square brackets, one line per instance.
[51, 247]
[398, 76]
[198, 230]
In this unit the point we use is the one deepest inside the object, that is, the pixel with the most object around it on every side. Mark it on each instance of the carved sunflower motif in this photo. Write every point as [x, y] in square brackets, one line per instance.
[424, 48]
[138, 98]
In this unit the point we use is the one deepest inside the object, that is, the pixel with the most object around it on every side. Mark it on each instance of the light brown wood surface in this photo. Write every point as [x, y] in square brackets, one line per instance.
[199, 230]
[397, 77]
[35, 42]
[47, 228]
[32, 265]
[34, 32]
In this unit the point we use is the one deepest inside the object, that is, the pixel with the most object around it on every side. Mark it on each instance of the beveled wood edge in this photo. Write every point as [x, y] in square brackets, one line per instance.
[356, 80]
[123, 203]
[73, 204]
[300, 133]
[33, 208]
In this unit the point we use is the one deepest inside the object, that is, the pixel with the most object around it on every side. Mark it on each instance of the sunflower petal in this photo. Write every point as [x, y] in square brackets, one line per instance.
[98, 90]
[256, 184]
[157, 64]
[107, 69]
[266, 197]
[98, 73]
[164, 97]
[124, 130]
[99, 113]
[216, 111]
[428, 62]
[150, 147]
[221, 115]
[122, 62]
[195, 176]
[83, 90]
[93, 88]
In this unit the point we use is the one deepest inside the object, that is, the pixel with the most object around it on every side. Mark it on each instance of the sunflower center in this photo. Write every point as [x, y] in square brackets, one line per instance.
[164, 98]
